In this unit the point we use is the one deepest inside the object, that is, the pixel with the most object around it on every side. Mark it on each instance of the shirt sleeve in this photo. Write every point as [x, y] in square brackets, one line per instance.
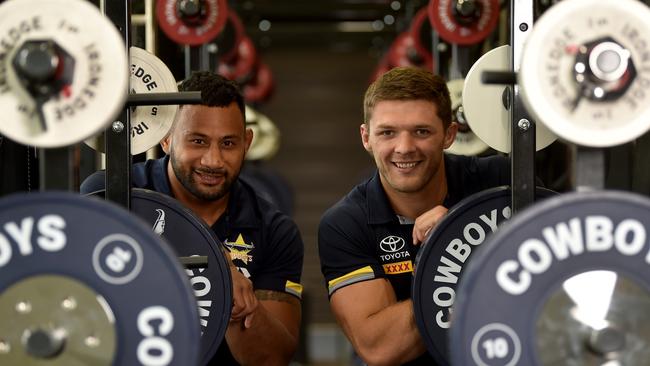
[283, 258]
[346, 253]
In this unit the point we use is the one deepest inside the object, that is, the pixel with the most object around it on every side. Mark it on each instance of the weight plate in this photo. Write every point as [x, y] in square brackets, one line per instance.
[403, 53]
[421, 32]
[266, 136]
[533, 285]
[492, 125]
[63, 74]
[149, 123]
[91, 247]
[189, 236]
[203, 20]
[242, 68]
[70, 319]
[585, 71]
[595, 317]
[444, 256]
[466, 142]
[229, 38]
[464, 22]
[260, 88]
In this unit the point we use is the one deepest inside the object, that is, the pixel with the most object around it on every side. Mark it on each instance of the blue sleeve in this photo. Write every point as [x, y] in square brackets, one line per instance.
[283, 258]
[346, 255]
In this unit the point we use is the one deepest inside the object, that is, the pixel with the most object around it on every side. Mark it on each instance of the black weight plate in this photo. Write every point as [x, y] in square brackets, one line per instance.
[503, 297]
[104, 248]
[188, 236]
[441, 261]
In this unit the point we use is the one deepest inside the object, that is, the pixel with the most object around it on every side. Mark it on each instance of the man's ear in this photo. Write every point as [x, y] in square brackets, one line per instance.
[248, 137]
[450, 134]
[166, 142]
[364, 129]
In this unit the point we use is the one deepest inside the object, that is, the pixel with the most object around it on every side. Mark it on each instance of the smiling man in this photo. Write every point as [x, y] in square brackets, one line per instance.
[205, 151]
[369, 239]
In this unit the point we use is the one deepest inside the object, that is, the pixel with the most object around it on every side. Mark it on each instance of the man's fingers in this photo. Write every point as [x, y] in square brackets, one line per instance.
[427, 221]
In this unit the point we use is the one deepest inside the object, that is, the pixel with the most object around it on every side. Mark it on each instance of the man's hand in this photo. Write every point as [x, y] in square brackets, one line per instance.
[427, 221]
[244, 300]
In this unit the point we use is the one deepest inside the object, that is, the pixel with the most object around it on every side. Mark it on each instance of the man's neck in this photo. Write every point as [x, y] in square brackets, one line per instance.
[209, 211]
[414, 204]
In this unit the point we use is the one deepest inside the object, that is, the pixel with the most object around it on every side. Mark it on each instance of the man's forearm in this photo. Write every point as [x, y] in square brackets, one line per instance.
[266, 342]
[389, 336]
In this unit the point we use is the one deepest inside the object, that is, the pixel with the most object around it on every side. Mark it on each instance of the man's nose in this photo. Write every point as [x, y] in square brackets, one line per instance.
[404, 143]
[213, 157]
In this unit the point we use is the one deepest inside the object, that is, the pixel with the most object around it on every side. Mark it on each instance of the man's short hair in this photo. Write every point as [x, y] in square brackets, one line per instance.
[216, 90]
[409, 83]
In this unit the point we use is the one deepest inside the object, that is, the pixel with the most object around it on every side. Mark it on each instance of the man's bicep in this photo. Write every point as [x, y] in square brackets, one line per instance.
[352, 305]
[284, 307]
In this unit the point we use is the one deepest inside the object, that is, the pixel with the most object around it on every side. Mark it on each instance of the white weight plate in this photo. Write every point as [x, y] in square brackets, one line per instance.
[149, 123]
[266, 136]
[100, 81]
[546, 76]
[483, 104]
[251, 115]
[466, 142]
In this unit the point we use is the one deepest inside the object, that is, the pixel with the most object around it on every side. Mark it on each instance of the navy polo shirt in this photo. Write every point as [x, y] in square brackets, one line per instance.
[263, 243]
[362, 238]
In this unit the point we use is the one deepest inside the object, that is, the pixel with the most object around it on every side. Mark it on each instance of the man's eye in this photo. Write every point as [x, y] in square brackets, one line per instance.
[422, 132]
[386, 133]
[197, 141]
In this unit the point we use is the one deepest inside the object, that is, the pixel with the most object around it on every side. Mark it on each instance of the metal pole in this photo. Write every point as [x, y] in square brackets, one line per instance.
[522, 154]
[118, 135]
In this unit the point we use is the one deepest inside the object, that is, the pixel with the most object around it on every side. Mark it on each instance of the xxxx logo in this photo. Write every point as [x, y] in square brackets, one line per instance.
[399, 267]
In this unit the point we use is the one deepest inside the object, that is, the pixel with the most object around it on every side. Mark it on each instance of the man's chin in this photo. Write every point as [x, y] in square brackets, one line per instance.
[208, 194]
[407, 187]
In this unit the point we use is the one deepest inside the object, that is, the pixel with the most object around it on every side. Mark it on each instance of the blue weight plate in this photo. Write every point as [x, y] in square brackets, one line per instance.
[441, 261]
[571, 272]
[189, 236]
[74, 239]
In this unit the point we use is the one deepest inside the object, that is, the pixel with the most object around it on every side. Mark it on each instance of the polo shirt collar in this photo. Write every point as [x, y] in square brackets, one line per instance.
[379, 209]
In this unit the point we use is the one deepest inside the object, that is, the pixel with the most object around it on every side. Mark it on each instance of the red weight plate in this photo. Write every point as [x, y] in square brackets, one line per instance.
[229, 38]
[456, 29]
[259, 89]
[243, 65]
[421, 32]
[403, 53]
[192, 31]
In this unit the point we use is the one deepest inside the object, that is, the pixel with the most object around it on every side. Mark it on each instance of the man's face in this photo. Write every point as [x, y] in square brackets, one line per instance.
[207, 148]
[406, 139]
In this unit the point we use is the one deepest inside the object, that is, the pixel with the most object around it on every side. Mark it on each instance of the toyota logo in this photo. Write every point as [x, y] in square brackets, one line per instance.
[392, 244]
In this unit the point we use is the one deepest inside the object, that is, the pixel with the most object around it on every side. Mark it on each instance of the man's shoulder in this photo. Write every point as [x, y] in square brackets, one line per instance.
[141, 177]
[93, 183]
[474, 164]
[267, 212]
[351, 208]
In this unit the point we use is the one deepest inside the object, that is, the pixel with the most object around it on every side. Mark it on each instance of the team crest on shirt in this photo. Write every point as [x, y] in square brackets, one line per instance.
[239, 249]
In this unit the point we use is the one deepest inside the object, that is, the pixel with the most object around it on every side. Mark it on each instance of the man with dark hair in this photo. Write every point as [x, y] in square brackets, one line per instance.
[407, 125]
[205, 151]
